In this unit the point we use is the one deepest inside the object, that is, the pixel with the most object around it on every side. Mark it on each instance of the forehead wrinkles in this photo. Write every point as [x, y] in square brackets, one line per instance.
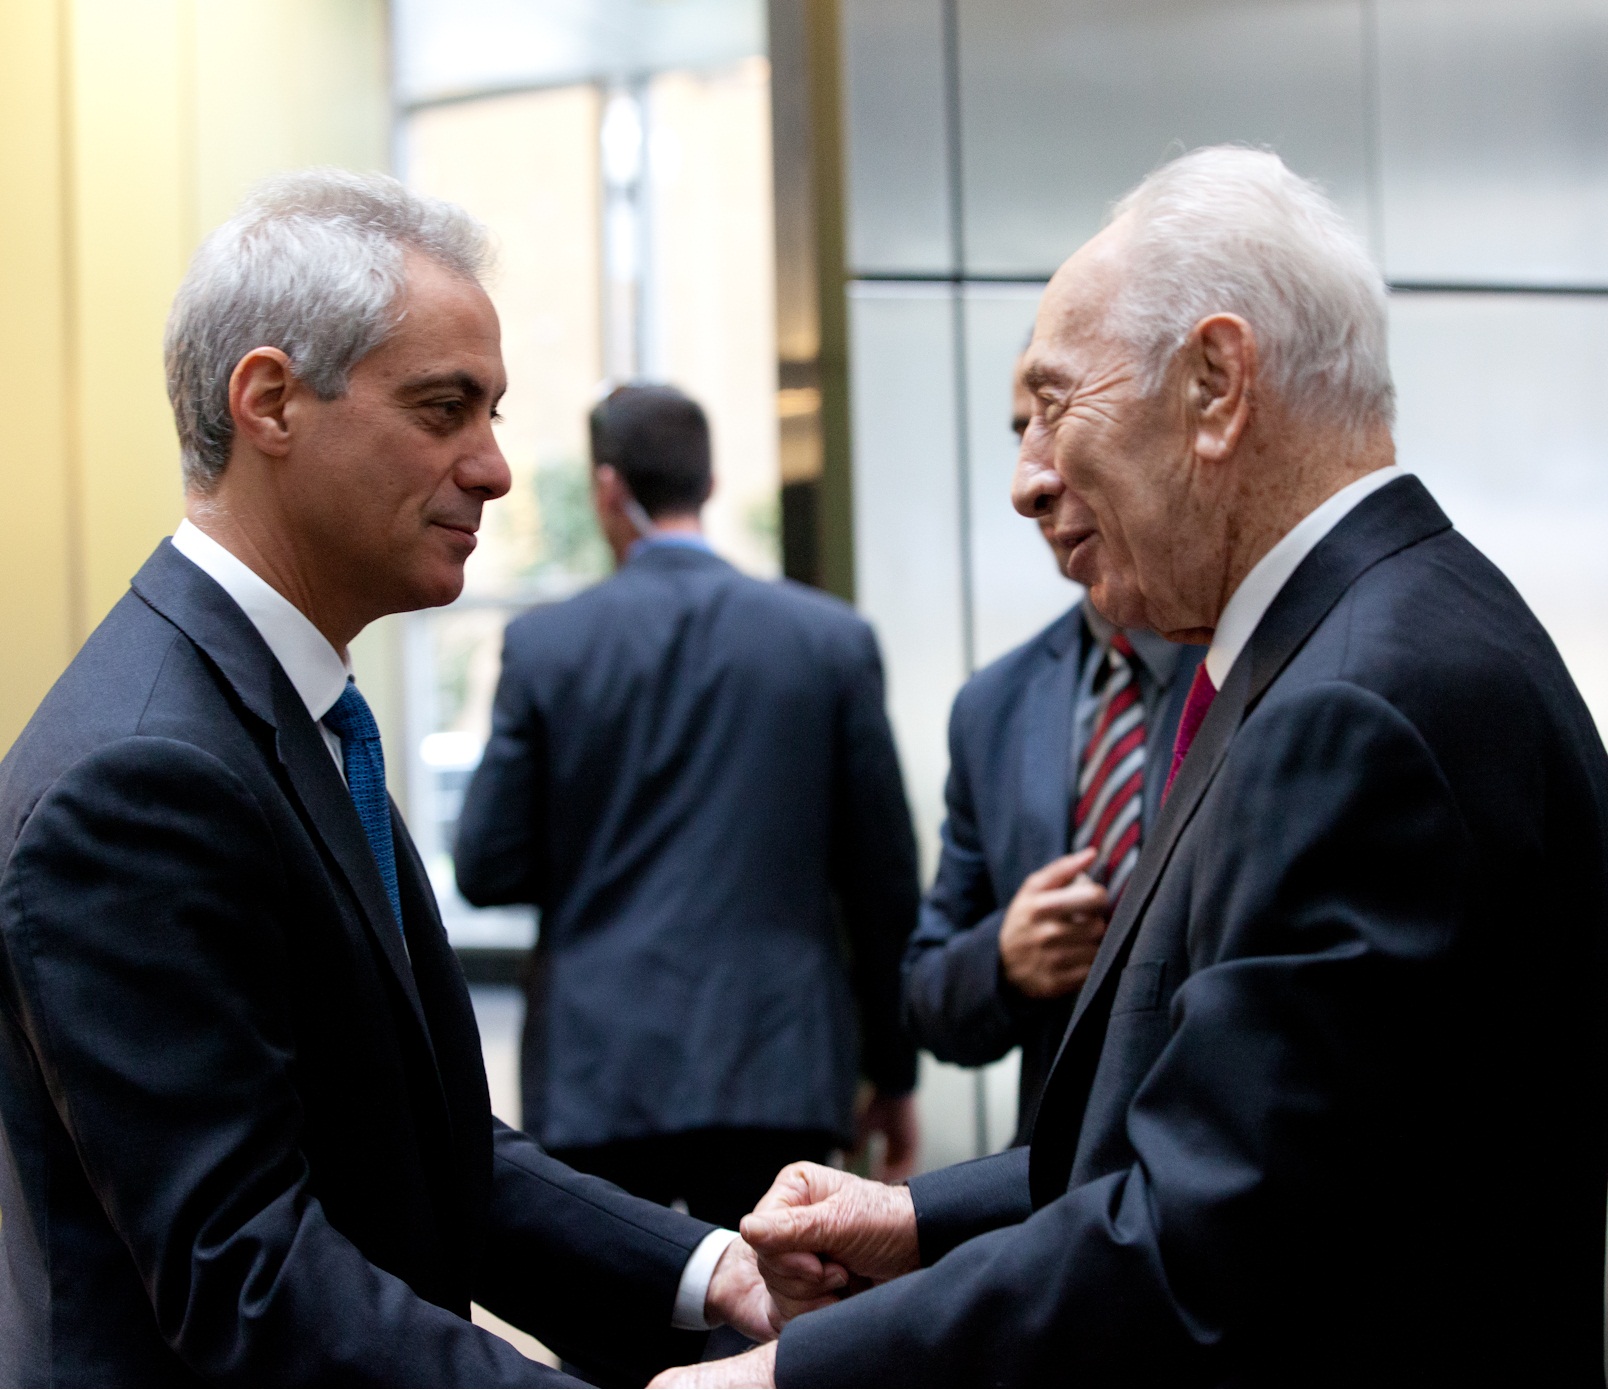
[1072, 368]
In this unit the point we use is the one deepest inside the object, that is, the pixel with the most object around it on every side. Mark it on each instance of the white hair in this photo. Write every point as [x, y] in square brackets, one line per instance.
[1228, 229]
[312, 264]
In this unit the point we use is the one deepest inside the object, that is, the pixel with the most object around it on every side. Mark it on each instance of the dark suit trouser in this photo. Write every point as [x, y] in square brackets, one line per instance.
[719, 1173]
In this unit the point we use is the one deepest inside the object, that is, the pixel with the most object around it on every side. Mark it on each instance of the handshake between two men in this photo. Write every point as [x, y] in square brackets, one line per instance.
[1324, 1110]
[819, 1235]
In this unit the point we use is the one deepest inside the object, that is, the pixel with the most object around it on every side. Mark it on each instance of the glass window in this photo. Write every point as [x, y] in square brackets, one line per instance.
[633, 227]
[454, 48]
[711, 312]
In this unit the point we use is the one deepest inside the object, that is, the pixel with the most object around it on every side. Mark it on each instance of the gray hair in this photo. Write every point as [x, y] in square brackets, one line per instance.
[312, 264]
[1228, 229]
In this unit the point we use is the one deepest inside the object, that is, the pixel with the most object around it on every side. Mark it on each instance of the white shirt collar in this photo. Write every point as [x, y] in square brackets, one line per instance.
[315, 668]
[1269, 575]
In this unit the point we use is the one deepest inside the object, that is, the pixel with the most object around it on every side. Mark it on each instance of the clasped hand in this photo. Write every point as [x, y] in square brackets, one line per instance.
[817, 1235]
[1053, 928]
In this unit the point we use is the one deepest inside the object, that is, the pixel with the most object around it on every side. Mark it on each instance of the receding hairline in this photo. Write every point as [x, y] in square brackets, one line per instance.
[450, 277]
[1090, 279]
[416, 258]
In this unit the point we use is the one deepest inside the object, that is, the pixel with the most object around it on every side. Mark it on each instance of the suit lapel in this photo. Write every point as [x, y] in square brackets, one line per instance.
[328, 805]
[199, 608]
[1046, 771]
[1398, 515]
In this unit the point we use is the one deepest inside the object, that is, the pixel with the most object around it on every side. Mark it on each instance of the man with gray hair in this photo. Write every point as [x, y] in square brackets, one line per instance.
[1330, 1107]
[246, 1129]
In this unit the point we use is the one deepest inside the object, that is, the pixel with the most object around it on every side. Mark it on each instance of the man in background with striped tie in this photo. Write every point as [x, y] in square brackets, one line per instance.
[1058, 752]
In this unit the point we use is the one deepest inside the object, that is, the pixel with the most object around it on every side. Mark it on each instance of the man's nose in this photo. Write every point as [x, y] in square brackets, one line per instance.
[484, 470]
[1036, 484]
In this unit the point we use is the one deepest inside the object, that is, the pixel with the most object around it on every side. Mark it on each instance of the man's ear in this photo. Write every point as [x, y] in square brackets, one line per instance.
[1222, 363]
[607, 488]
[259, 387]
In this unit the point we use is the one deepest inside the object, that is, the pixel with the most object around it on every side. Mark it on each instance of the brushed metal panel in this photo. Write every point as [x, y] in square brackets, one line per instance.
[1066, 104]
[907, 528]
[1016, 586]
[1494, 140]
[898, 216]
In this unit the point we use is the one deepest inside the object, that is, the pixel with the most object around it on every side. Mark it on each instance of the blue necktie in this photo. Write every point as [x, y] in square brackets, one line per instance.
[352, 722]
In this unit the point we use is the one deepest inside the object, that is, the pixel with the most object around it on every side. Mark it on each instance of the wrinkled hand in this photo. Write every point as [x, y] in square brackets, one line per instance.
[893, 1117]
[1053, 928]
[738, 1296]
[819, 1231]
[756, 1367]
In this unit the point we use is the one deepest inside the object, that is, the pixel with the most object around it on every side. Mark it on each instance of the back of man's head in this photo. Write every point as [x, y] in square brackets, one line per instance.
[313, 264]
[657, 439]
[1226, 229]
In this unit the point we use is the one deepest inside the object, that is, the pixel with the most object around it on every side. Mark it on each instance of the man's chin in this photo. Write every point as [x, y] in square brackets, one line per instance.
[434, 590]
[1118, 609]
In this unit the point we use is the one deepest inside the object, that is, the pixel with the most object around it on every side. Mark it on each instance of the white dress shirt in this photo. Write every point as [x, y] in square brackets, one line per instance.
[1269, 575]
[693, 1291]
[315, 668]
[319, 674]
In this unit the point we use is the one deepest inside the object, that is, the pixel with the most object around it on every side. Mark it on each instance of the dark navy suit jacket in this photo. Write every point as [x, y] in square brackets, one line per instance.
[1331, 1107]
[1012, 764]
[246, 1131]
[691, 773]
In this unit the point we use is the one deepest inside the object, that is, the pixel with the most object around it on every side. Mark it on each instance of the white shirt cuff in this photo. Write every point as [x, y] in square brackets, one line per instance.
[693, 1291]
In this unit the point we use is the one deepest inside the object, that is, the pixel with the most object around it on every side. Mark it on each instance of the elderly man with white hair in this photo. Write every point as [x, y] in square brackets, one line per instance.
[246, 1134]
[1331, 1107]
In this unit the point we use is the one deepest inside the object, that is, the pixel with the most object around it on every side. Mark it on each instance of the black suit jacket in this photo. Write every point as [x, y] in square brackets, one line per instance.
[1331, 1106]
[1008, 799]
[691, 773]
[247, 1138]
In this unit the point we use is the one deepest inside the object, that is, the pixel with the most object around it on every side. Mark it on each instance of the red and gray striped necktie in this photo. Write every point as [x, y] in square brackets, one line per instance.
[1111, 780]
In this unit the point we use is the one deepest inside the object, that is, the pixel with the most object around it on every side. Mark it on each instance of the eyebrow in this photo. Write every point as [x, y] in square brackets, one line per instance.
[462, 382]
[1038, 376]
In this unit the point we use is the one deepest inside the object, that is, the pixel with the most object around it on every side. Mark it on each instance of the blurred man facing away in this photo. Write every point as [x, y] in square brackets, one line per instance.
[691, 774]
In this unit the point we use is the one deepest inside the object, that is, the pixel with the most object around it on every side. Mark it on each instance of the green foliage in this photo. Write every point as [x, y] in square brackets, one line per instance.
[764, 521]
[570, 540]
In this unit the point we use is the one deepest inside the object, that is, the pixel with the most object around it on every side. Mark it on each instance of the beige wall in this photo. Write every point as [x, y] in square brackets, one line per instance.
[128, 129]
